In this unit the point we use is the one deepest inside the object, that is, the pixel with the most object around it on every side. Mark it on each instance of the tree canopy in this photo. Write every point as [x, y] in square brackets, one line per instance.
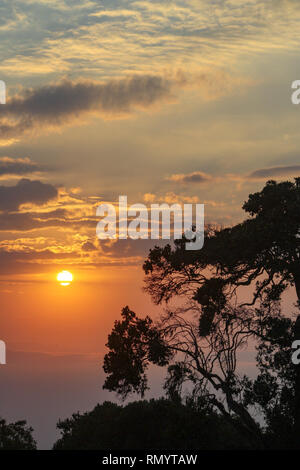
[16, 436]
[153, 424]
[200, 335]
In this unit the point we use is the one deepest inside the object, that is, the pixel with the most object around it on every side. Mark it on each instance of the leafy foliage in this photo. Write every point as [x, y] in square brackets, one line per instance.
[133, 344]
[200, 339]
[273, 390]
[264, 249]
[154, 424]
[16, 436]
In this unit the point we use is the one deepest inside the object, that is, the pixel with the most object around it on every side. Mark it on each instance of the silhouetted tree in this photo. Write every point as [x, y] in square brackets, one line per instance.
[16, 436]
[262, 252]
[207, 362]
[273, 391]
[154, 424]
[201, 338]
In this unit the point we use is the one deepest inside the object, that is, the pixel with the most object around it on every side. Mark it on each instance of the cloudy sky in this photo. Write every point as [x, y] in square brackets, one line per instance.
[164, 101]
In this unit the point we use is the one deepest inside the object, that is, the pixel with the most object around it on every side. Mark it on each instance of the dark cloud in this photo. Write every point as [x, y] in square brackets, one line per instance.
[17, 166]
[58, 104]
[88, 246]
[275, 171]
[25, 191]
[195, 177]
[62, 103]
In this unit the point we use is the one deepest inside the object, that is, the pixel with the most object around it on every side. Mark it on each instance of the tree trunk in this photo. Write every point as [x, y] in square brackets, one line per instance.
[249, 425]
[253, 436]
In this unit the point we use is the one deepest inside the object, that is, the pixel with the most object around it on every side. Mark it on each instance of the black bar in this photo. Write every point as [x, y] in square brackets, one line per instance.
[137, 458]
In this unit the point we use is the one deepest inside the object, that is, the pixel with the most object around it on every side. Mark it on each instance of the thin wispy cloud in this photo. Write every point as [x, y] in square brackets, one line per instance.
[58, 36]
[275, 171]
[18, 166]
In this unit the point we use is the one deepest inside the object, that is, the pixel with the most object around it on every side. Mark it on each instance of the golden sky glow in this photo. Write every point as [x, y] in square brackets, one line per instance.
[163, 101]
[180, 101]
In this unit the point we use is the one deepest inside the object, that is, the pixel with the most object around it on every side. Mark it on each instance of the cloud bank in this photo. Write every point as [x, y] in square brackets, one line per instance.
[26, 191]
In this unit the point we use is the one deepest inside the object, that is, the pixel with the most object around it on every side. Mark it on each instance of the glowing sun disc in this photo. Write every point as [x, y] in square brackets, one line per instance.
[64, 278]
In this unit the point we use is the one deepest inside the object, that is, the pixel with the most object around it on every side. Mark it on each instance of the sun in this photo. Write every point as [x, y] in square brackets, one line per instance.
[64, 278]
